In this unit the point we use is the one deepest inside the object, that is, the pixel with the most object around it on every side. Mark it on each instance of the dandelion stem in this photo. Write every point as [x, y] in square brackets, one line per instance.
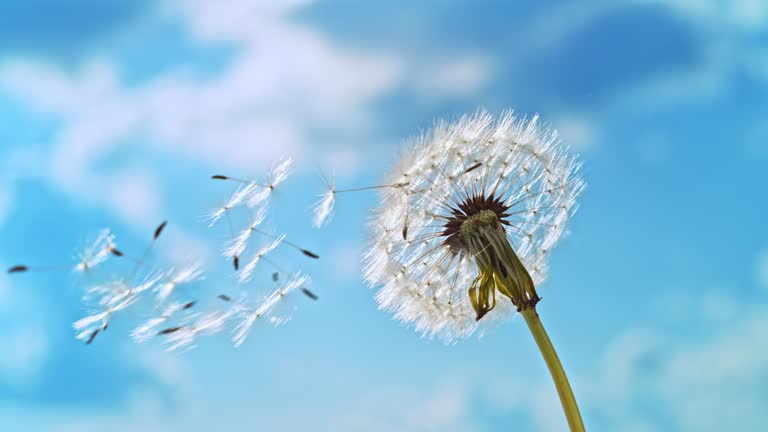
[567, 400]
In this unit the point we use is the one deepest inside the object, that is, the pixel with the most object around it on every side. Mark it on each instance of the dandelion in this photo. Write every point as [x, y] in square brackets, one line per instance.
[269, 308]
[97, 252]
[189, 274]
[482, 203]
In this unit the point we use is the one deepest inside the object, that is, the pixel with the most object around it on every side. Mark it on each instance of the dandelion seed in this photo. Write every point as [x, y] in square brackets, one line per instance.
[159, 230]
[118, 291]
[189, 274]
[239, 244]
[201, 325]
[89, 326]
[247, 273]
[92, 336]
[309, 294]
[18, 269]
[268, 309]
[485, 201]
[310, 254]
[149, 329]
[169, 331]
[277, 175]
[238, 198]
[323, 210]
[97, 252]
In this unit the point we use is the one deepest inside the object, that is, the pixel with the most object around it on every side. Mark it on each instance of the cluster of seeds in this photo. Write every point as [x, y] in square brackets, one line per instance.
[176, 319]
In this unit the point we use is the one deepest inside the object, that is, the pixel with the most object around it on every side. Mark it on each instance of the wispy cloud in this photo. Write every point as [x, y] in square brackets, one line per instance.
[284, 81]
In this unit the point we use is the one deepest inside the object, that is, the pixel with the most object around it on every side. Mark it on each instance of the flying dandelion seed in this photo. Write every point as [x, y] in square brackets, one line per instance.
[148, 329]
[237, 199]
[323, 210]
[239, 244]
[277, 175]
[88, 327]
[97, 252]
[203, 324]
[174, 322]
[186, 275]
[247, 273]
[268, 309]
[484, 202]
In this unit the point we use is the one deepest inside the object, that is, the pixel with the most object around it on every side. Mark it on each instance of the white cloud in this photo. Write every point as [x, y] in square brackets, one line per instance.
[442, 408]
[455, 77]
[284, 82]
[576, 130]
[708, 383]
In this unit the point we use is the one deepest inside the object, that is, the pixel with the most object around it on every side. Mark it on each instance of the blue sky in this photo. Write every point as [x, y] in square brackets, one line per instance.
[116, 113]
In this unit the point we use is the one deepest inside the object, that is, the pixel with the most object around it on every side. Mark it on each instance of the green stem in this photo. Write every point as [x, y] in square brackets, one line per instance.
[555, 369]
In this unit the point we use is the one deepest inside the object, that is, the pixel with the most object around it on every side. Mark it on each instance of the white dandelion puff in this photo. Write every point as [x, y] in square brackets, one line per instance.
[243, 193]
[479, 205]
[97, 252]
[269, 309]
[239, 244]
[277, 175]
[247, 273]
[188, 274]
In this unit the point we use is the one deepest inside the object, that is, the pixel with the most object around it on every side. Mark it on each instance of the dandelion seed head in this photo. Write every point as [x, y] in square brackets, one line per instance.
[509, 176]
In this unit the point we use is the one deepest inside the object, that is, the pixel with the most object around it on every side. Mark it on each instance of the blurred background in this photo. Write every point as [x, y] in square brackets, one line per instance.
[115, 114]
